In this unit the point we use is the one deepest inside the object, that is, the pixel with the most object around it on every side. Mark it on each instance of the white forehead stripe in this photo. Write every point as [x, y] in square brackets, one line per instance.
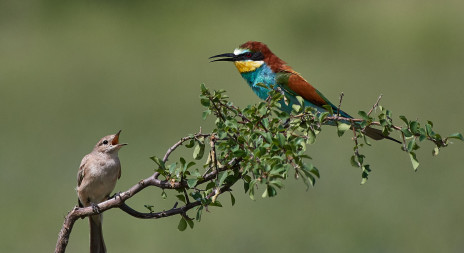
[238, 51]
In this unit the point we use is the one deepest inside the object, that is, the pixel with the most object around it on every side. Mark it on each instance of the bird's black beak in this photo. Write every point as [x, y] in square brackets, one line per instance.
[229, 57]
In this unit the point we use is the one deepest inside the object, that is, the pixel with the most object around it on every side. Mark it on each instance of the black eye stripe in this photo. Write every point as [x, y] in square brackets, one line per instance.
[255, 56]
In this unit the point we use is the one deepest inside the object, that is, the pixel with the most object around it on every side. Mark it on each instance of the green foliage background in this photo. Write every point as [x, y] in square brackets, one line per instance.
[71, 73]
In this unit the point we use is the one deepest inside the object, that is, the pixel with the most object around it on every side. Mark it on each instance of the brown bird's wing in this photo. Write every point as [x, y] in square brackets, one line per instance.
[80, 172]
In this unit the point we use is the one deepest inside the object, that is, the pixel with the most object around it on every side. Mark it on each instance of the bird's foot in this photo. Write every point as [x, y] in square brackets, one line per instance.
[117, 195]
[95, 208]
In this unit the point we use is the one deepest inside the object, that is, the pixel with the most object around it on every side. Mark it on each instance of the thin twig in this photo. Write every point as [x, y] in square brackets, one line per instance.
[340, 104]
[213, 155]
[375, 105]
[180, 142]
[177, 144]
[404, 142]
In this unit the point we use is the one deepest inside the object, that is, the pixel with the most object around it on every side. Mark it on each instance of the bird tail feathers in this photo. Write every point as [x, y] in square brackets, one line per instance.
[97, 244]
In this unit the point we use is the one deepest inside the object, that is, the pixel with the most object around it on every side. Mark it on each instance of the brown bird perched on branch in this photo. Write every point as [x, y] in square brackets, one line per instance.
[96, 179]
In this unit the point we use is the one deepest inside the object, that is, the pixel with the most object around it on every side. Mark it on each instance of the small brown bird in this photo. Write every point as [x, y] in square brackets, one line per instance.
[96, 179]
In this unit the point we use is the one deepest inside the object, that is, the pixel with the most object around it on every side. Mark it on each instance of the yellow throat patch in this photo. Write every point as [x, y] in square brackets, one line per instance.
[247, 66]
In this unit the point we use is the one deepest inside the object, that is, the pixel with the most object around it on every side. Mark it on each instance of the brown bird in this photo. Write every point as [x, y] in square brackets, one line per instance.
[96, 179]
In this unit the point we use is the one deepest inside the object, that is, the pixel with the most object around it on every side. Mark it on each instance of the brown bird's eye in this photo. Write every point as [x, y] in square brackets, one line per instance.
[105, 142]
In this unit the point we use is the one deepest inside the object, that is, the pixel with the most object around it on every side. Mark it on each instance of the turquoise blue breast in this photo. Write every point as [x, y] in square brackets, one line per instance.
[262, 75]
[265, 76]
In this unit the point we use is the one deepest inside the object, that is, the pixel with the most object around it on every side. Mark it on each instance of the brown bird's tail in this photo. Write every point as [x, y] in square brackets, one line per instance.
[97, 244]
[377, 134]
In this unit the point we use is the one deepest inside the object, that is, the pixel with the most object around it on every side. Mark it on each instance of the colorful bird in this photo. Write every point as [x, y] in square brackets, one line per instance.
[262, 70]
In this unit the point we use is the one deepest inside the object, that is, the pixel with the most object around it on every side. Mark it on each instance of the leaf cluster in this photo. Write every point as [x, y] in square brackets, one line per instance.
[260, 145]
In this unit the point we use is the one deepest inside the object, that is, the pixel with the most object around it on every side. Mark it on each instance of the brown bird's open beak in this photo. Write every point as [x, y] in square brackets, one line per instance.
[115, 140]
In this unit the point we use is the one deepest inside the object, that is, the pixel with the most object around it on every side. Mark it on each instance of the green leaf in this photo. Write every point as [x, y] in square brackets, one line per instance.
[199, 151]
[265, 193]
[411, 145]
[353, 161]
[203, 88]
[240, 153]
[149, 207]
[159, 162]
[329, 109]
[435, 151]
[430, 123]
[164, 195]
[341, 128]
[190, 143]
[246, 186]
[322, 116]
[199, 212]
[205, 102]
[182, 224]
[364, 180]
[196, 195]
[181, 197]
[190, 223]
[232, 198]
[222, 177]
[314, 171]
[311, 136]
[363, 115]
[406, 132]
[192, 182]
[265, 122]
[414, 126]
[428, 128]
[277, 183]
[456, 136]
[205, 114]
[190, 164]
[296, 108]
[403, 118]
[281, 139]
[182, 161]
[210, 185]
[300, 100]
[422, 134]
[365, 173]
[271, 191]
[232, 123]
[216, 203]
[414, 161]
[172, 168]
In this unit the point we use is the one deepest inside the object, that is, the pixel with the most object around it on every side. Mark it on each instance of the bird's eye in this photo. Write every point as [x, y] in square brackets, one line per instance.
[105, 142]
[248, 55]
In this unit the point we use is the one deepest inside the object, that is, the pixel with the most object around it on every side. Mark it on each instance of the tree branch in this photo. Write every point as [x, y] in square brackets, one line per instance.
[257, 154]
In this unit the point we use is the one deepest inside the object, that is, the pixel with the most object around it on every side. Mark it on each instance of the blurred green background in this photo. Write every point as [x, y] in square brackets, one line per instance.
[72, 72]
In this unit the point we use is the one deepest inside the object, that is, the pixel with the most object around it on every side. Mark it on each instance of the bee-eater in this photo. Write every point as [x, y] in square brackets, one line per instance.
[262, 70]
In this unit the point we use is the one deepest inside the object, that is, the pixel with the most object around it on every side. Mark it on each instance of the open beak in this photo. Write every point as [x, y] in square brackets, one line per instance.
[115, 140]
[228, 57]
